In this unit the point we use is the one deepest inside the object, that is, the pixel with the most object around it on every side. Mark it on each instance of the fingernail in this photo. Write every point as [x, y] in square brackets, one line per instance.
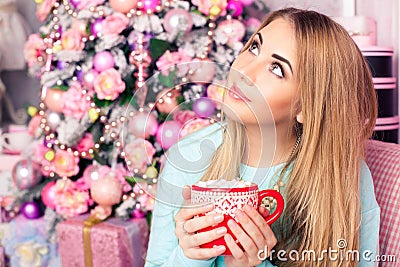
[231, 224]
[218, 218]
[221, 231]
[220, 249]
[247, 208]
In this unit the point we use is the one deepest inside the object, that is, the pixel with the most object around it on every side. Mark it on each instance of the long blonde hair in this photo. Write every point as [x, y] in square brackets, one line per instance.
[337, 99]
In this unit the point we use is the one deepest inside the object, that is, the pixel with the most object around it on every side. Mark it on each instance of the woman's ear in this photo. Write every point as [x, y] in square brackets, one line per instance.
[300, 118]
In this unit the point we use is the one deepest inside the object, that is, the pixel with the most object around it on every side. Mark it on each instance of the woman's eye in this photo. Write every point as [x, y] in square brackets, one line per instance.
[276, 69]
[253, 48]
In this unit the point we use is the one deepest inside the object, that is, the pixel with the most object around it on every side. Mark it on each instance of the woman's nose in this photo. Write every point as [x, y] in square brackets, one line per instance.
[249, 73]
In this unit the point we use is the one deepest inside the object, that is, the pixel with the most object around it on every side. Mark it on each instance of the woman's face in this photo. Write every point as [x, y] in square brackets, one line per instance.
[264, 75]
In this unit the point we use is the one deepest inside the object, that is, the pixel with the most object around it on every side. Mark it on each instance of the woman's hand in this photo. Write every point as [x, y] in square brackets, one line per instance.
[254, 234]
[186, 227]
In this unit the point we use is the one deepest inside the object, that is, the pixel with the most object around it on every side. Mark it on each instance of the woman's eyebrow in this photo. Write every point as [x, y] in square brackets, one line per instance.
[283, 60]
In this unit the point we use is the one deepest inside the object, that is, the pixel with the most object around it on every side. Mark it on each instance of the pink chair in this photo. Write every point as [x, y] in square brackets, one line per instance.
[383, 159]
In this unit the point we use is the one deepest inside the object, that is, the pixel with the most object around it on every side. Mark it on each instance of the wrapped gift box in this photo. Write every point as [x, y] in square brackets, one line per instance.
[114, 242]
[27, 243]
[2, 258]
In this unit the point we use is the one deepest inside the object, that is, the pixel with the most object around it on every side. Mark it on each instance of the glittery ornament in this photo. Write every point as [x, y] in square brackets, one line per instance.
[235, 7]
[177, 19]
[143, 124]
[150, 5]
[141, 59]
[106, 191]
[26, 174]
[168, 133]
[89, 77]
[97, 27]
[123, 6]
[167, 101]
[75, 3]
[103, 60]
[61, 65]
[54, 100]
[48, 194]
[31, 210]
[204, 107]
[138, 213]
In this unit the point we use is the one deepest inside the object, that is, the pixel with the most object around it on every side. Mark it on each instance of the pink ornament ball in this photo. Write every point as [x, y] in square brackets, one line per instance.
[150, 5]
[26, 174]
[204, 107]
[31, 210]
[102, 61]
[138, 213]
[54, 100]
[106, 191]
[168, 133]
[48, 195]
[235, 7]
[123, 6]
[177, 18]
[143, 124]
[97, 27]
[75, 3]
[167, 101]
[89, 78]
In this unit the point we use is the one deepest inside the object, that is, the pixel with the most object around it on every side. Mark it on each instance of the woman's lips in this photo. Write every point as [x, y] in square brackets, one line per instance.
[235, 93]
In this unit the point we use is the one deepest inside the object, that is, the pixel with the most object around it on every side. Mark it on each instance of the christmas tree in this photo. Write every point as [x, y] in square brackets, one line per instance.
[121, 82]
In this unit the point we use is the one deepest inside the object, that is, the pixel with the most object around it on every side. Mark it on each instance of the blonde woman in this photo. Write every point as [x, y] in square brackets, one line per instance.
[323, 108]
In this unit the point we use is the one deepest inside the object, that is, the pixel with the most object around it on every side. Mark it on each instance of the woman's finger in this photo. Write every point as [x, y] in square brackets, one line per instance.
[251, 229]
[204, 253]
[187, 213]
[247, 243]
[201, 238]
[236, 251]
[201, 222]
[262, 225]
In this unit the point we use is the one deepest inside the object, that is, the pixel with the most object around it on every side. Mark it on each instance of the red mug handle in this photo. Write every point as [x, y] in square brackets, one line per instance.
[280, 203]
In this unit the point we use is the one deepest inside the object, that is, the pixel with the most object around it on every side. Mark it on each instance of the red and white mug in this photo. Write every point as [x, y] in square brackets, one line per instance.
[227, 200]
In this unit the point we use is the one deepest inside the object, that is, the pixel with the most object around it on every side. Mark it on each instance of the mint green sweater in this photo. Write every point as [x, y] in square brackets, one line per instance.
[185, 164]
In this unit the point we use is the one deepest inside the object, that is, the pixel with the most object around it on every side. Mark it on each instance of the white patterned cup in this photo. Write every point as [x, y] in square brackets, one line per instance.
[227, 200]
[15, 141]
